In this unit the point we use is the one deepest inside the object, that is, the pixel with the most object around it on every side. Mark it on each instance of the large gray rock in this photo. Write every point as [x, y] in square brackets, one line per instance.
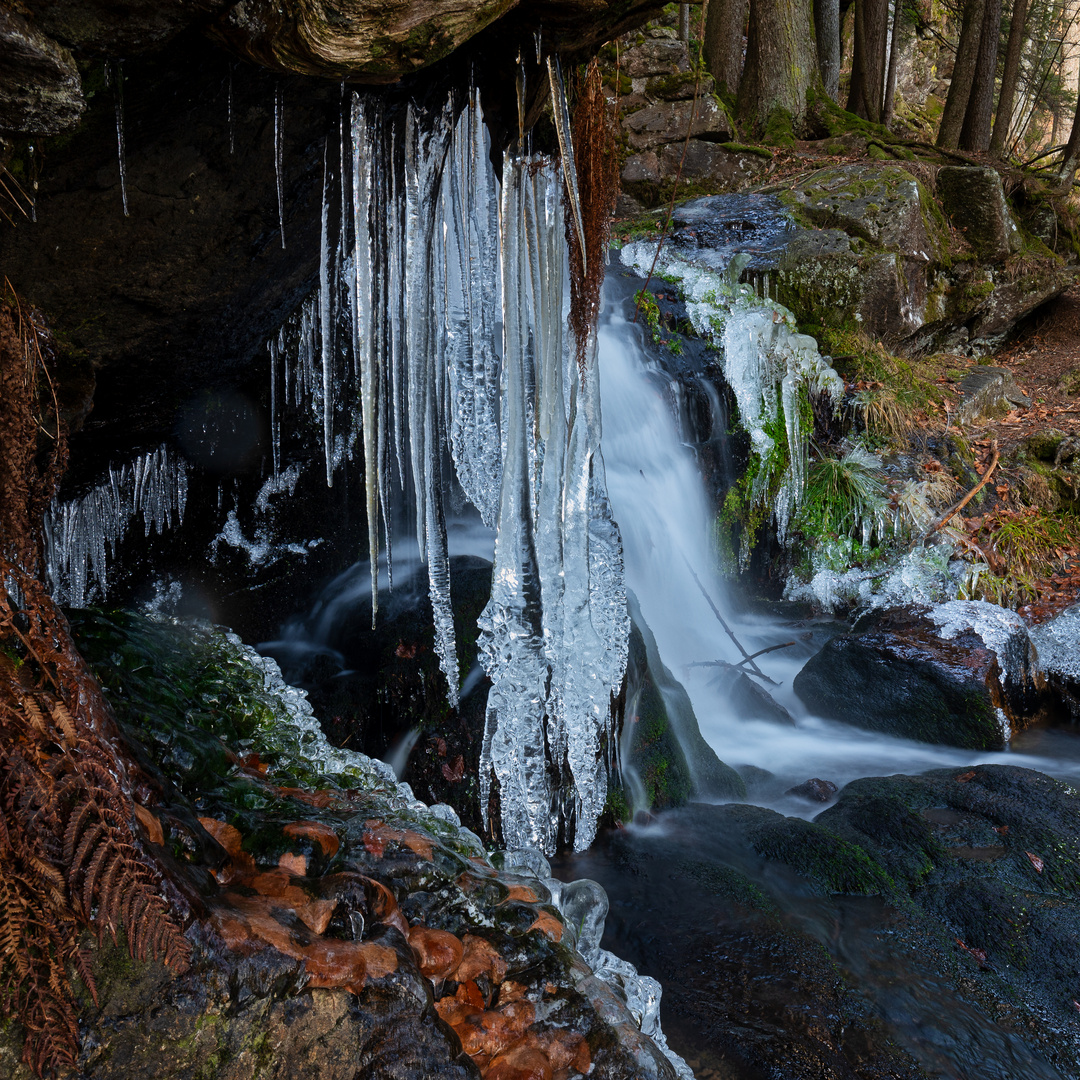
[730, 168]
[975, 201]
[989, 392]
[656, 57]
[962, 673]
[667, 122]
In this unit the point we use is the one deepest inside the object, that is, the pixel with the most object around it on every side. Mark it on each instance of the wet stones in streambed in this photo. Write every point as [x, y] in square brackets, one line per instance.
[935, 919]
[747, 993]
[962, 673]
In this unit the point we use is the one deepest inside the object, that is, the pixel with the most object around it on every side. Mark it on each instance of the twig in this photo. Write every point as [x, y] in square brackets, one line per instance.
[731, 667]
[747, 658]
[971, 494]
[682, 161]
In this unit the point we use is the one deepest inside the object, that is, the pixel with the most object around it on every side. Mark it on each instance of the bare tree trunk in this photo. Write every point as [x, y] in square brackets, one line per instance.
[894, 55]
[827, 30]
[1009, 78]
[1071, 159]
[868, 62]
[952, 119]
[724, 24]
[684, 22]
[975, 134]
[781, 60]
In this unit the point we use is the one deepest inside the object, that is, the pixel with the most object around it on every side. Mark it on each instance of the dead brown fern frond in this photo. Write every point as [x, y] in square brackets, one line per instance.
[595, 155]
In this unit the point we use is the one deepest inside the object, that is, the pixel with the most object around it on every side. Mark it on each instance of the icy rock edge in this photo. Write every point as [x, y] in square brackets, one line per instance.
[628, 1001]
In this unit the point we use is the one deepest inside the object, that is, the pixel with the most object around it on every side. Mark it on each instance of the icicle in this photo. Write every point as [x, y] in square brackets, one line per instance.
[521, 100]
[275, 420]
[538, 41]
[279, 159]
[512, 641]
[472, 302]
[120, 149]
[326, 339]
[561, 112]
[229, 110]
[364, 330]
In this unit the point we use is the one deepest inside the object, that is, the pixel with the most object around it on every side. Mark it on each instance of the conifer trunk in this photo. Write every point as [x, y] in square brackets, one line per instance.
[1010, 76]
[967, 52]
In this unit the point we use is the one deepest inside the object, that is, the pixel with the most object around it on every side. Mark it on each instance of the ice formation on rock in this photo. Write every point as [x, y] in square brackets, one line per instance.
[81, 535]
[769, 366]
[436, 253]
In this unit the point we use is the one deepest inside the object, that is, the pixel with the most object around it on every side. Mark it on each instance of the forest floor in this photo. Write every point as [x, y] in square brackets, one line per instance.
[1039, 358]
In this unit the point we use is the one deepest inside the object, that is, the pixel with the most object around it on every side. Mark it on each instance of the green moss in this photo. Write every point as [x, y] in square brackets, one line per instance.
[780, 129]
[746, 148]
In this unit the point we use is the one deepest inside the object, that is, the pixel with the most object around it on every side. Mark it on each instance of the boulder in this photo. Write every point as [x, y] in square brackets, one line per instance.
[1058, 645]
[720, 165]
[640, 168]
[667, 753]
[975, 201]
[989, 392]
[962, 673]
[660, 56]
[886, 206]
[668, 122]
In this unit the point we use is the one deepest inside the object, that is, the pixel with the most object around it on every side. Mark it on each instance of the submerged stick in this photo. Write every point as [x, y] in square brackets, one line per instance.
[747, 658]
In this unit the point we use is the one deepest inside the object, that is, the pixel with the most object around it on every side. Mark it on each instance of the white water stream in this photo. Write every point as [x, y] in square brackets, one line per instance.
[659, 500]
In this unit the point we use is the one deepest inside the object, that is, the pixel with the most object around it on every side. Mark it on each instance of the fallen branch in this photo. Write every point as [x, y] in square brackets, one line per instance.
[747, 658]
[995, 456]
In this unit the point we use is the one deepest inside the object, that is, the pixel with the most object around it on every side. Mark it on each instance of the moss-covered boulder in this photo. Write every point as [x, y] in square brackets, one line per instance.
[975, 202]
[338, 927]
[963, 674]
[666, 759]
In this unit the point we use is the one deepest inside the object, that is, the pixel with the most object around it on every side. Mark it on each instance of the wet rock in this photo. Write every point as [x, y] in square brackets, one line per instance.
[1058, 644]
[989, 392]
[667, 752]
[975, 201]
[40, 86]
[937, 917]
[749, 700]
[815, 790]
[656, 57]
[668, 122]
[962, 673]
[680, 86]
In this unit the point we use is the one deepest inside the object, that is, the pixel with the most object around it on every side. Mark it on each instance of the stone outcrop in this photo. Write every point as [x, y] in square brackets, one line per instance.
[352, 40]
[962, 673]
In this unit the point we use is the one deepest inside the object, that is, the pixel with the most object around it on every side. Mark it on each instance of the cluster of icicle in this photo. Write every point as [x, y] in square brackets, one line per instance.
[447, 290]
[81, 535]
[769, 366]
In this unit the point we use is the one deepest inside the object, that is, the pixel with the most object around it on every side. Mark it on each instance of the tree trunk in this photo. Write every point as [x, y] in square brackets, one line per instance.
[894, 56]
[868, 61]
[1009, 78]
[975, 134]
[1072, 152]
[827, 30]
[781, 60]
[952, 119]
[725, 22]
[684, 22]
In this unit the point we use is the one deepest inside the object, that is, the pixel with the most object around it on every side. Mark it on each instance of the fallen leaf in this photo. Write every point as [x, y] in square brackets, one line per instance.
[321, 834]
[151, 824]
[963, 778]
[438, 951]
[480, 958]
[548, 924]
[1035, 861]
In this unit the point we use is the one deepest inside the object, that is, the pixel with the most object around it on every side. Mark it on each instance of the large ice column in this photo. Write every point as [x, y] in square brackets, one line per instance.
[555, 629]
